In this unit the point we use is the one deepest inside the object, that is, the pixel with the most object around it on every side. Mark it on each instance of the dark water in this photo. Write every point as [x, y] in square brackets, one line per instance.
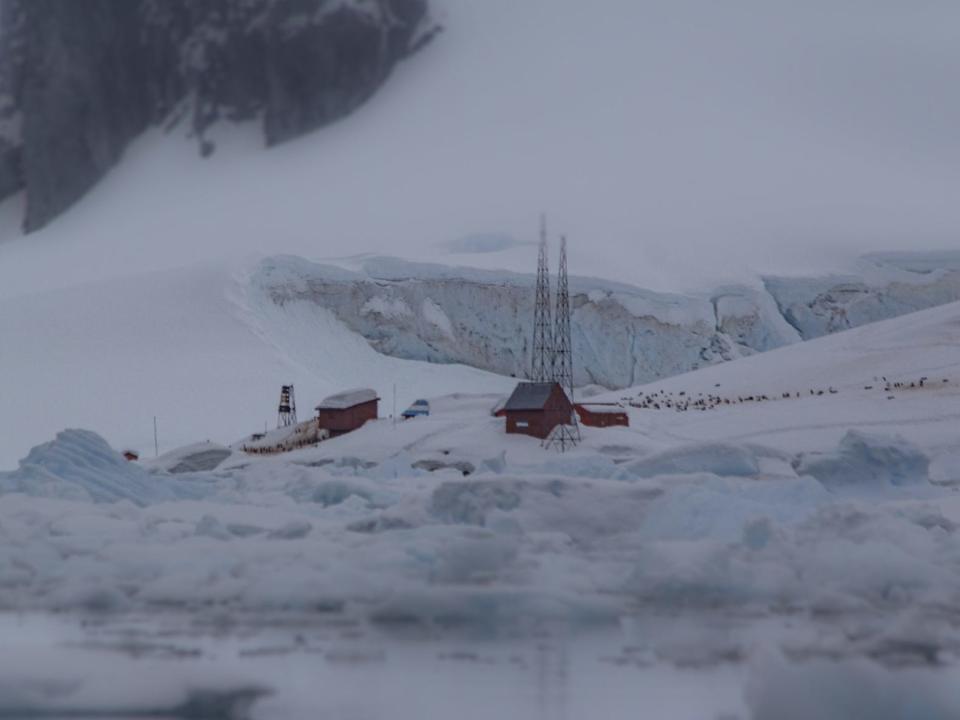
[178, 668]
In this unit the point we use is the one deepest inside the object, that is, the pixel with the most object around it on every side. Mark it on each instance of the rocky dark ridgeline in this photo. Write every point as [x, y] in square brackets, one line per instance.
[80, 80]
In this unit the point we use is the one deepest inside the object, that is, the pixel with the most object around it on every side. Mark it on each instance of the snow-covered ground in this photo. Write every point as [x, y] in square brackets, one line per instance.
[755, 549]
[125, 307]
[205, 348]
[183, 345]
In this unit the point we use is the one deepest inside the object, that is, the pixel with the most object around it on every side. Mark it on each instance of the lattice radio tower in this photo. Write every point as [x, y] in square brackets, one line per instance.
[562, 350]
[287, 413]
[542, 365]
[568, 435]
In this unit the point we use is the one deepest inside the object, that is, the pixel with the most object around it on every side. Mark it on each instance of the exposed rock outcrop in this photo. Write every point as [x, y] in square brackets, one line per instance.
[82, 79]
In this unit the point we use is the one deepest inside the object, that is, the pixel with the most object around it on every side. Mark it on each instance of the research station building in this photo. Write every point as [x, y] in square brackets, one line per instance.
[602, 415]
[347, 411]
[536, 409]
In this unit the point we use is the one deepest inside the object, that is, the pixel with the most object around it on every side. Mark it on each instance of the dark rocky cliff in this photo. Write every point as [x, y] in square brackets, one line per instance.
[79, 80]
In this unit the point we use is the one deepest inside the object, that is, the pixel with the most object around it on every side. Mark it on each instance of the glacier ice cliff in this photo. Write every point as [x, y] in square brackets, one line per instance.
[622, 335]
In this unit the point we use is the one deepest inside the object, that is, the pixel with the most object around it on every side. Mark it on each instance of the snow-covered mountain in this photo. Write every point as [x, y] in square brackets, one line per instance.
[79, 81]
[712, 173]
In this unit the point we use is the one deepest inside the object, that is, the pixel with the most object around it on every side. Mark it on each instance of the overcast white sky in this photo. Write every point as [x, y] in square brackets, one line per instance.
[677, 142]
[736, 132]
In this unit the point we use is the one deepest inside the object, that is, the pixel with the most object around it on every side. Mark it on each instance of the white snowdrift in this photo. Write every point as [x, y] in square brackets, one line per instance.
[717, 458]
[199, 457]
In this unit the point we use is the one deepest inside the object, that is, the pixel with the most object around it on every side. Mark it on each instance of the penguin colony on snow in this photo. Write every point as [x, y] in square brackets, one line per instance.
[701, 402]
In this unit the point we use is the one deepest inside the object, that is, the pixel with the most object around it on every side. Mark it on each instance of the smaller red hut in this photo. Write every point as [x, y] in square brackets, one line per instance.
[347, 411]
[603, 415]
[536, 408]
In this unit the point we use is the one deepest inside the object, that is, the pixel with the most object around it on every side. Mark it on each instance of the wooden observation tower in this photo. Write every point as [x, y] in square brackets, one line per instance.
[287, 412]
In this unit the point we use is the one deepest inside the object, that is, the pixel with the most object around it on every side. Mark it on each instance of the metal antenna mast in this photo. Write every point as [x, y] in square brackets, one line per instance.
[568, 435]
[287, 412]
[562, 350]
[541, 368]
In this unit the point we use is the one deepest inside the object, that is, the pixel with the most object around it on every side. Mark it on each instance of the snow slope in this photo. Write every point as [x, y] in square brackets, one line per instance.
[180, 345]
[903, 350]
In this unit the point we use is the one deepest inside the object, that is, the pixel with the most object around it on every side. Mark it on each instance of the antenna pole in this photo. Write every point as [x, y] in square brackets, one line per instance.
[562, 348]
[566, 436]
[541, 367]
[156, 445]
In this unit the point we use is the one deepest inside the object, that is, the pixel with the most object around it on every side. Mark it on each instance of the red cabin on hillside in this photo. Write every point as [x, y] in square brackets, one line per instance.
[536, 408]
[347, 411]
[603, 415]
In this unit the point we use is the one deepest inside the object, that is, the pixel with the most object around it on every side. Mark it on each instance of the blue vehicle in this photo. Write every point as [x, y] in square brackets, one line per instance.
[420, 408]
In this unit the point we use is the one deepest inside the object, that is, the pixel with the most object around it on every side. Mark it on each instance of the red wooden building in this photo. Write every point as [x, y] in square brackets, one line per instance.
[536, 408]
[347, 411]
[603, 415]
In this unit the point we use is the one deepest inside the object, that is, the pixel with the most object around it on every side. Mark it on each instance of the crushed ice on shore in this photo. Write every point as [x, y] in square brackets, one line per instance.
[660, 556]
[701, 525]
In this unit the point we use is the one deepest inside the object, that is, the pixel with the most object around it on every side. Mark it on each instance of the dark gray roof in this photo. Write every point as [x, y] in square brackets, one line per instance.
[529, 396]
